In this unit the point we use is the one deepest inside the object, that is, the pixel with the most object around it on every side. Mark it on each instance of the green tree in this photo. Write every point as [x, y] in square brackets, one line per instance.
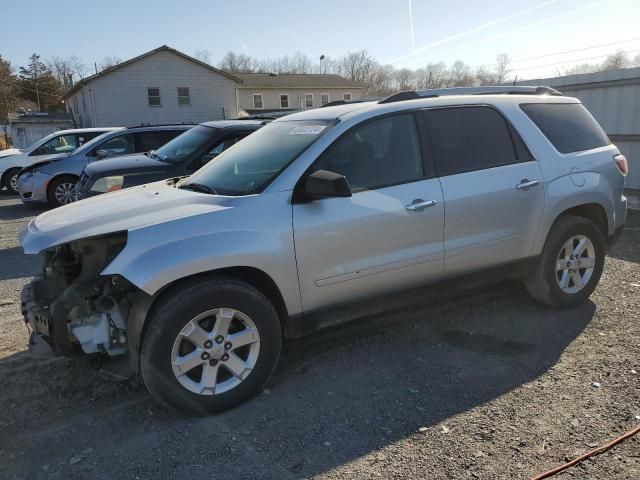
[39, 85]
[8, 90]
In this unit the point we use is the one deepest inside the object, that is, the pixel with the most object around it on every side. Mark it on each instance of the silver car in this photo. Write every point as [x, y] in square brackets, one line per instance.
[316, 216]
[54, 179]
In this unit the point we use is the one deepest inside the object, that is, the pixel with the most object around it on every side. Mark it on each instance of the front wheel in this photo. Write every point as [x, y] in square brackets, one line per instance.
[210, 345]
[570, 265]
[62, 191]
[11, 180]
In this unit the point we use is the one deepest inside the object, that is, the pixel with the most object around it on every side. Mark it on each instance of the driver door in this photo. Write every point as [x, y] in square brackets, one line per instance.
[388, 235]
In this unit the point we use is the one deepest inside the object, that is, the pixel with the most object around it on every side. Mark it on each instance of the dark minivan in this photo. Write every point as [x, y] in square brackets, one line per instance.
[180, 157]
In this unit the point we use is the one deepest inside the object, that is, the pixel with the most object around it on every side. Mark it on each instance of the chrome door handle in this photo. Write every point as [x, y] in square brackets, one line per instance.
[419, 205]
[526, 184]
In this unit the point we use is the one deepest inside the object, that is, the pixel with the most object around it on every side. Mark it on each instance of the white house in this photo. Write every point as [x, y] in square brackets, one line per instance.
[158, 87]
[270, 92]
[167, 86]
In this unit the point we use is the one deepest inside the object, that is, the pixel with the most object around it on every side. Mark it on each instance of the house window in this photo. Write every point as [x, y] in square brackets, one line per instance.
[308, 100]
[183, 96]
[257, 100]
[346, 97]
[284, 100]
[153, 94]
[324, 99]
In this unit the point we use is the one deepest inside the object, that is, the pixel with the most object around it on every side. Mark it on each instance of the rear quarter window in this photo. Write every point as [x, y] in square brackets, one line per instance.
[568, 126]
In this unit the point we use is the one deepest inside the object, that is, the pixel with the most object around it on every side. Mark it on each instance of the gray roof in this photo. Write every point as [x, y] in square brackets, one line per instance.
[163, 48]
[295, 80]
[623, 76]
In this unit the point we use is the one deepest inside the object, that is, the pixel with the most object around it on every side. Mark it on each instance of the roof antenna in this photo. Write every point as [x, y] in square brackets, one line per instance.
[515, 80]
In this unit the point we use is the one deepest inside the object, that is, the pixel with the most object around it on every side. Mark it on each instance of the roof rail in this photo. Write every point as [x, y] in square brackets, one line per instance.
[146, 124]
[497, 90]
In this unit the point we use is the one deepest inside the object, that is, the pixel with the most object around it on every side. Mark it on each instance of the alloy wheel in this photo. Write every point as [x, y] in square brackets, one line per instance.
[13, 182]
[575, 264]
[66, 193]
[215, 351]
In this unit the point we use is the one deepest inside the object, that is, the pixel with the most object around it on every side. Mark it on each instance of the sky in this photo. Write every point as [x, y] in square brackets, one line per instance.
[405, 33]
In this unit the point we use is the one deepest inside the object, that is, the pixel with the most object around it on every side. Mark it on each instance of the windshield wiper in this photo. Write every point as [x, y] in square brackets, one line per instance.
[198, 187]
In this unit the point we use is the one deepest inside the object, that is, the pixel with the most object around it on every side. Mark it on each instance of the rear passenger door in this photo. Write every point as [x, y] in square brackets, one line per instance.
[492, 187]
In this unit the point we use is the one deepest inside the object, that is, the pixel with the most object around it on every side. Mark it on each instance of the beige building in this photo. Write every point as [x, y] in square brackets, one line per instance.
[269, 92]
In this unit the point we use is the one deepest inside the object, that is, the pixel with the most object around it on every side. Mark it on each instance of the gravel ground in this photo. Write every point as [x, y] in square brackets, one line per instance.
[478, 383]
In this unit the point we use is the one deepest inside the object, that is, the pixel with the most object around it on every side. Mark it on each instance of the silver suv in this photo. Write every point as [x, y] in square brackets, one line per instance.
[195, 282]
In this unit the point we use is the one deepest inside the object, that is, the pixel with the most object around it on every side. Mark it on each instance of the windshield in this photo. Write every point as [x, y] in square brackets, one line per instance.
[92, 143]
[250, 165]
[36, 144]
[185, 144]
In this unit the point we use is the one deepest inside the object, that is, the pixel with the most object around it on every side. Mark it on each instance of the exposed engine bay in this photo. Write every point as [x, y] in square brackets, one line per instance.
[71, 308]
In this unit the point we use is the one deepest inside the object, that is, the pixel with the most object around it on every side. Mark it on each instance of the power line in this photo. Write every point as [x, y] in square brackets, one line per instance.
[564, 52]
[514, 30]
[471, 31]
[572, 61]
[31, 89]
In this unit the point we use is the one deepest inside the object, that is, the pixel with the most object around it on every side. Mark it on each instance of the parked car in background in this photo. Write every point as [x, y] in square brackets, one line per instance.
[53, 180]
[312, 219]
[54, 145]
[9, 151]
[179, 157]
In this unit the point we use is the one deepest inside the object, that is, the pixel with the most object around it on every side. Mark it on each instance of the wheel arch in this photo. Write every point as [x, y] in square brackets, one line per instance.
[594, 211]
[5, 176]
[142, 307]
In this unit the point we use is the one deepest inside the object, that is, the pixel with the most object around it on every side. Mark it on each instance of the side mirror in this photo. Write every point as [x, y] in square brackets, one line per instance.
[100, 154]
[325, 184]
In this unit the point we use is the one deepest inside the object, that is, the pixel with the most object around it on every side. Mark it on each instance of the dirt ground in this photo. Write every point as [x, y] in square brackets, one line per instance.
[480, 383]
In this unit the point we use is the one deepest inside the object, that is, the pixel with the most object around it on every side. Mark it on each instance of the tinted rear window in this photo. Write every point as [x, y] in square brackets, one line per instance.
[466, 139]
[568, 126]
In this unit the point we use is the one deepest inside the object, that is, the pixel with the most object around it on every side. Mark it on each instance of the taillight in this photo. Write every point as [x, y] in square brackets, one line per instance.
[621, 162]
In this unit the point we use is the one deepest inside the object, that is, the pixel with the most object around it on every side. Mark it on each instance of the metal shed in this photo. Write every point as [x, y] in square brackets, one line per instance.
[613, 97]
[27, 128]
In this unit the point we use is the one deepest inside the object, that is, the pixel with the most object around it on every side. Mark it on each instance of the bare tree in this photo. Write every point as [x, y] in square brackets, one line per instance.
[616, 61]
[300, 63]
[405, 79]
[108, 62]
[237, 63]
[356, 66]
[380, 81]
[62, 70]
[484, 76]
[460, 75]
[502, 69]
[79, 68]
[203, 55]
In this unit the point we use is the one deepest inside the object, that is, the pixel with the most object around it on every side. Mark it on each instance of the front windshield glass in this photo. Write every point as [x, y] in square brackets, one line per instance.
[185, 144]
[92, 143]
[250, 165]
[36, 144]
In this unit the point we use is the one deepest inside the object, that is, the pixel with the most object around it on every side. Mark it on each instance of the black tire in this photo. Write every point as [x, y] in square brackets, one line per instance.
[53, 186]
[543, 284]
[7, 180]
[170, 315]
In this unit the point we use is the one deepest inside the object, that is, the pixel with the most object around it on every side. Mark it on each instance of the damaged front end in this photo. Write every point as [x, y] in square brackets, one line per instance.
[71, 308]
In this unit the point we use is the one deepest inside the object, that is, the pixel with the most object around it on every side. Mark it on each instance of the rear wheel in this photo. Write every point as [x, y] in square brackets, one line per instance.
[11, 180]
[62, 191]
[210, 345]
[571, 263]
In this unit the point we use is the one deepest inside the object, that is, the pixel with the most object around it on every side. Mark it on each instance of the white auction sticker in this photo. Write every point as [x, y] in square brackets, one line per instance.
[307, 130]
